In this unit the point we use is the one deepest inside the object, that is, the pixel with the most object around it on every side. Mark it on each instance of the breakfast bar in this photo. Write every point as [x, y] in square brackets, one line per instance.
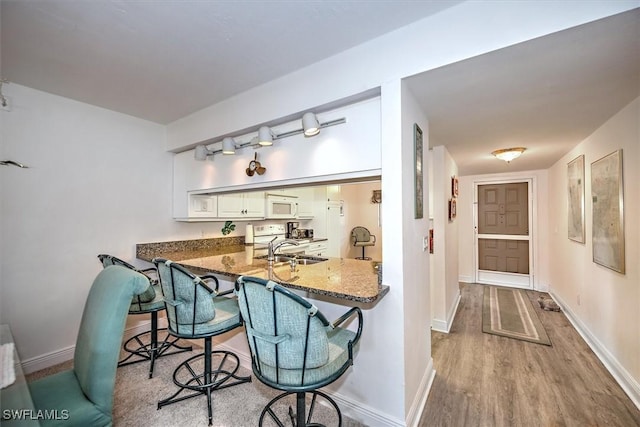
[336, 278]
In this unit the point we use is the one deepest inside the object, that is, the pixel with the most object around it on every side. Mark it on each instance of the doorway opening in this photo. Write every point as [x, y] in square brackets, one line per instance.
[503, 234]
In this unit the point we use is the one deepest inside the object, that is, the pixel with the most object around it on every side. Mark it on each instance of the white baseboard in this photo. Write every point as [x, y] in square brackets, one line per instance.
[630, 385]
[60, 356]
[465, 279]
[445, 325]
[420, 401]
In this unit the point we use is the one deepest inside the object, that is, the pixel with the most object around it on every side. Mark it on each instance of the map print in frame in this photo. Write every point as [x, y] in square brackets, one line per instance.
[608, 212]
[575, 181]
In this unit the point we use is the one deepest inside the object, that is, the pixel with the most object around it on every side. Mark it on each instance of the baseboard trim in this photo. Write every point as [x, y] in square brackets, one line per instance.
[444, 326]
[63, 355]
[465, 279]
[630, 386]
[420, 401]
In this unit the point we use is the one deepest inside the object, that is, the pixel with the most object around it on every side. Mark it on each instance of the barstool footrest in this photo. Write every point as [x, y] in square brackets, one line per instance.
[301, 417]
[191, 375]
[146, 350]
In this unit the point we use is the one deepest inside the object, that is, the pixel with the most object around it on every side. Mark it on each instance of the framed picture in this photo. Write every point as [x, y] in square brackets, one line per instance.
[452, 209]
[607, 195]
[575, 183]
[418, 171]
[454, 186]
[431, 240]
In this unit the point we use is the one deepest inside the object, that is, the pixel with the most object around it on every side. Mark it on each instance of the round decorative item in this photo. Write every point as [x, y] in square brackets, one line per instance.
[255, 166]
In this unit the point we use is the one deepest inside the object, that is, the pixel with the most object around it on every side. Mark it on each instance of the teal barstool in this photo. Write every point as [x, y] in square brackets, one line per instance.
[146, 346]
[196, 310]
[294, 348]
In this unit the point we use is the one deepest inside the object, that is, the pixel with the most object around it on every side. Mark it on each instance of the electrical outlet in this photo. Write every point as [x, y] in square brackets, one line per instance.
[425, 243]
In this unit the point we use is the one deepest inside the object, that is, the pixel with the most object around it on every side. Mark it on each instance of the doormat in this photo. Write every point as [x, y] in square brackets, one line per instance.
[508, 312]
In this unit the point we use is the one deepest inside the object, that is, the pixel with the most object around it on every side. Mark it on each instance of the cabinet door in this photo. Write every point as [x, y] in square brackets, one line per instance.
[231, 205]
[254, 204]
[305, 202]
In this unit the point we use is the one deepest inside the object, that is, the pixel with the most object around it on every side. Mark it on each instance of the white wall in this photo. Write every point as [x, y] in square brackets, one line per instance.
[540, 226]
[418, 364]
[602, 303]
[98, 182]
[445, 290]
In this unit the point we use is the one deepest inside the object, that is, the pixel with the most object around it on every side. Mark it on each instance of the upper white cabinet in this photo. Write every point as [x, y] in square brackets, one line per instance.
[305, 202]
[241, 205]
[203, 206]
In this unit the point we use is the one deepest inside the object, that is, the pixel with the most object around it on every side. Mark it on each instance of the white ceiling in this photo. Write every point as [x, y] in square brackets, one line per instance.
[547, 95]
[163, 60]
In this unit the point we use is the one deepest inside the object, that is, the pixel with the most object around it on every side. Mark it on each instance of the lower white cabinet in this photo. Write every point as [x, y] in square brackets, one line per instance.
[317, 249]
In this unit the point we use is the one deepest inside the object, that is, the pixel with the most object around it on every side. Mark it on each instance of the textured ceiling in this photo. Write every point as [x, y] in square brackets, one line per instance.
[163, 60]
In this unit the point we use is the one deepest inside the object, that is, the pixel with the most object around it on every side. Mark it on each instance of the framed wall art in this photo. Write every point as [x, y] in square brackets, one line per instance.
[452, 209]
[575, 184]
[418, 171]
[607, 211]
[454, 186]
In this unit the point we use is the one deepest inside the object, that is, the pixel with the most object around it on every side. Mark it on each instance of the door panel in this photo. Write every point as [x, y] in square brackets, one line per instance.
[509, 256]
[502, 241]
[503, 209]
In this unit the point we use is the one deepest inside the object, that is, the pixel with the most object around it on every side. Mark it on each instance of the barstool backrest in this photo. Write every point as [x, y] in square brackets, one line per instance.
[284, 330]
[147, 296]
[188, 300]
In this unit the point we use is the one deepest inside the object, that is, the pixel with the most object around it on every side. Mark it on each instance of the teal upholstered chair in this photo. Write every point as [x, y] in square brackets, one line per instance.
[85, 393]
[293, 347]
[195, 310]
[146, 345]
[361, 238]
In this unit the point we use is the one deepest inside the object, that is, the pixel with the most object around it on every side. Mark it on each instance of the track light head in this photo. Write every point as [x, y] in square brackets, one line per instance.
[201, 152]
[310, 124]
[228, 146]
[265, 136]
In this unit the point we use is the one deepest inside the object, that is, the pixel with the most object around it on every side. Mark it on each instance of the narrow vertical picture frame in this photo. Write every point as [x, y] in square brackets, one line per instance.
[454, 186]
[607, 212]
[575, 200]
[418, 171]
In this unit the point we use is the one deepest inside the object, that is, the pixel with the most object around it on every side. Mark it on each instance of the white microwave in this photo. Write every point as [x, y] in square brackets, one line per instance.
[281, 207]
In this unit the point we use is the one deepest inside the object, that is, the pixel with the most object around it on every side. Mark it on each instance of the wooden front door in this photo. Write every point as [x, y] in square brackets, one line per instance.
[503, 239]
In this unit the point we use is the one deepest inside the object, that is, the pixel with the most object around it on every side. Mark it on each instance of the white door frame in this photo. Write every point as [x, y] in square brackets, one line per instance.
[525, 281]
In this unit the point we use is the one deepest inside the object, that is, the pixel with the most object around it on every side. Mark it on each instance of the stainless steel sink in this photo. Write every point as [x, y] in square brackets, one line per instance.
[300, 259]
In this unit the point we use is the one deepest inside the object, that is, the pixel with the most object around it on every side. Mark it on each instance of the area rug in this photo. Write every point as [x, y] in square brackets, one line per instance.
[508, 312]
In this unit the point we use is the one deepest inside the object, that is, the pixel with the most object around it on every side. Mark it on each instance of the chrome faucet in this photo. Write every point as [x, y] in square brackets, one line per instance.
[271, 255]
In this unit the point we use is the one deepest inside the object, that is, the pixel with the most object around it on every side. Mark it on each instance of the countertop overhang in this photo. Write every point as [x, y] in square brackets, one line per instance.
[342, 278]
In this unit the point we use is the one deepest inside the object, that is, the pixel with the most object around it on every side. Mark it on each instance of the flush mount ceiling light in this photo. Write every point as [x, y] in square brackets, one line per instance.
[265, 137]
[310, 124]
[508, 154]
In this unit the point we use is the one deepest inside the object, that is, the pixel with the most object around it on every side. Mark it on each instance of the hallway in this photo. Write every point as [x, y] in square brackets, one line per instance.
[487, 380]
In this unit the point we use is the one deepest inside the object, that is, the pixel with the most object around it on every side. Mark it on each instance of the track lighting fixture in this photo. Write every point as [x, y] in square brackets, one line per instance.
[310, 127]
[310, 124]
[228, 146]
[265, 136]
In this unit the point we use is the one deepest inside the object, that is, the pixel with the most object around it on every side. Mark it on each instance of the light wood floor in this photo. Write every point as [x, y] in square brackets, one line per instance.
[487, 380]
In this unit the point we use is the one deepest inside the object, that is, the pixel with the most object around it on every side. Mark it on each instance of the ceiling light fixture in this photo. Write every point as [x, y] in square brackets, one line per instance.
[228, 145]
[310, 124]
[508, 154]
[265, 137]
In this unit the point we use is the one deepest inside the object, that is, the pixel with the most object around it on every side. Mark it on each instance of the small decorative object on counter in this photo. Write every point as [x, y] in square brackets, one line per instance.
[229, 226]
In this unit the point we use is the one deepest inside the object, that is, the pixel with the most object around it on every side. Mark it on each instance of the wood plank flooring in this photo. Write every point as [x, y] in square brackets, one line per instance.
[488, 380]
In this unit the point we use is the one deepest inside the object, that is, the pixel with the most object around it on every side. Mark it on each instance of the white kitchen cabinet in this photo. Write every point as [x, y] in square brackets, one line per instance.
[305, 202]
[249, 205]
[317, 249]
[203, 206]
